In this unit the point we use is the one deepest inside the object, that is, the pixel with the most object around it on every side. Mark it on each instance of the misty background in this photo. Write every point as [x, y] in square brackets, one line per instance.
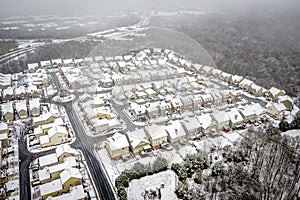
[10, 8]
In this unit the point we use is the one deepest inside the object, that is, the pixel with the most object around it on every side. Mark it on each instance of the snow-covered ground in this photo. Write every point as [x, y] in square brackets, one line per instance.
[292, 133]
[168, 178]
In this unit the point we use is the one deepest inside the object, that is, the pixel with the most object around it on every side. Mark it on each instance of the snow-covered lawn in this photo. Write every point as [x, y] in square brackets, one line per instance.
[292, 133]
[232, 136]
[168, 178]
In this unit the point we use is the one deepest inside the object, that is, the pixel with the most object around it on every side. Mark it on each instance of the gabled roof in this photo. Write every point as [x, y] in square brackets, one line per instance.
[156, 132]
[64, 148]
[57, 129]
[234, 115]
[117, 141]
[137, 137]
[175, 130]
[205, 120]
[70, 173]
[220, 116]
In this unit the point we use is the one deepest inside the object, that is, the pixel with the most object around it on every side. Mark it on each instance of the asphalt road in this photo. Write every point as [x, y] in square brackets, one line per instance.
[86, 145]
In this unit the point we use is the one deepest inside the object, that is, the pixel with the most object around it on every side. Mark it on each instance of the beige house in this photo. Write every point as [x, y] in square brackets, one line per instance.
[251, 112]
[65, 151]
[117, 145]
[56, 135]
[46, 118]
[206, 123]
[70, 177]
[34, 107]
[257, 90]
[21, 108]
[274, 93]
[276, 110]
[235, 117]
[138, 141]
[7, 111]
[287, 101]
[175, 131]
[156, 135]
[221, 119]
[191, 126]
[245, 84]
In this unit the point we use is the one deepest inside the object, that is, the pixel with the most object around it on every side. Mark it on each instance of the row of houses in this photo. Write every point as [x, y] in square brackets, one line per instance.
[20, 109]
[98, 113]
[170, 105]
[58, 175]
[153, 136]
[9, 163]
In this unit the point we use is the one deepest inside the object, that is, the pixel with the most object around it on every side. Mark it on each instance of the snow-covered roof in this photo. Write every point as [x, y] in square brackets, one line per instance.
[53, 186]
[175, 130]
[156, 131]
[32, 66]
[57, 61]
[34, 103]
[57, 129]
[191, 123]
[252, 109]
[48, 160]
[246, 82]
[64, 148]
[45, 63]
[70, 173]
[205, 120]
[234, 115]
[19, 90]
[236, 78]
[21, 105]
[274, 91]
[280, 107]
[136, 137]
[117, 141]
[7, 108]
[220, 116]
[3, 126]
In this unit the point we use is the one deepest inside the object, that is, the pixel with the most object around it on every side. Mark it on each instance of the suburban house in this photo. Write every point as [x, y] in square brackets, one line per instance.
[4, 142]
[187, 103]
[46, 118]
[20, 92]
[7, 111]
[245, 84]
[56, 135]
[235, 117]
[48, 174]
[70, 177]
[165, 108]
[235, 80]
[64, 151]
[206, 123]
[34, 107]
[274, 93]
[191, 126]
[48, 160]
[207, 100]
[221, 118]
[276, 110]
[252, 112]
[138, 141]
[156, 135]
[197, 102]
[8, 93]
[217, 97]
[117, 145]
[257, 90]
[21, 108]
[287, 101]
[175, 131]
[32, 67]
